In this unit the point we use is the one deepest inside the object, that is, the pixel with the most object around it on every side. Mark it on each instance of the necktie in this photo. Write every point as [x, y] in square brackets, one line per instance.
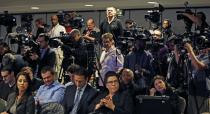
[76, 102]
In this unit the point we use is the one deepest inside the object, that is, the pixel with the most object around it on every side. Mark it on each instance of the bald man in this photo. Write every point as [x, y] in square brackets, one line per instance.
[91, 33]
[56, 27]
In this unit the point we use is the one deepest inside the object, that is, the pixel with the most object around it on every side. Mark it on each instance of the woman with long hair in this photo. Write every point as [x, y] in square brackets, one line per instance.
[21, 101]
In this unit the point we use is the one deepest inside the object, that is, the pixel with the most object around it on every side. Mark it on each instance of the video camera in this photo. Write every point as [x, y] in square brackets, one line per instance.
[26, 22]
[186, 20]
[7, 20]
[154, 15]
[75, 21]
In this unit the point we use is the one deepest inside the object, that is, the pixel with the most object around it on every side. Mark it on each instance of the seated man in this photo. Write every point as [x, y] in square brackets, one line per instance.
[8, 84]
[51, 91]
[79, 96]
[127, 82]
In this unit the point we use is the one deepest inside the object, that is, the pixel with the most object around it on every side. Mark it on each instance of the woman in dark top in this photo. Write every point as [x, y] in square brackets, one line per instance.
[21, 101]
[160, 88]
[114, 101]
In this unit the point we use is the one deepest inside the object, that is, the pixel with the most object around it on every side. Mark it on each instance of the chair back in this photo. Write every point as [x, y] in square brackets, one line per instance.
[51, 108]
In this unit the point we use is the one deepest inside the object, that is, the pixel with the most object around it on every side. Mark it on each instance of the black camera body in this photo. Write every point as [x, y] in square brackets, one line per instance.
[153, 16]
[7, 20]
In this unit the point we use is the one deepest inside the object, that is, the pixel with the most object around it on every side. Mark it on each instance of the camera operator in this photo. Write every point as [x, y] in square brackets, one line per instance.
[45, 57]
[41, 27]
[199, 83]
[140, 62]
[91, 33]
[56, 27]
[4, 49]
[199, 19]
[111, 24]
[177, 73]
[129, 24]
[78, 48]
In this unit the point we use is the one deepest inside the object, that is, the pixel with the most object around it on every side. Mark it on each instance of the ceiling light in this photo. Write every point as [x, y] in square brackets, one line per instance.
[89, 5]
[34, 8]
[152, 2]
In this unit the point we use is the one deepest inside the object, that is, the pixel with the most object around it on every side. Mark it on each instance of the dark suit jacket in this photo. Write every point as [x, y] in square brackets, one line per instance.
[122, 100]
[86, 99]
[48, 59]
[25, 106]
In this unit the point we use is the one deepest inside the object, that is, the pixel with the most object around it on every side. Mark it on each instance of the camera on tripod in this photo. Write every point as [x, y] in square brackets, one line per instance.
[154, 15]
[180, 41]
[202, 41]
[70, 18]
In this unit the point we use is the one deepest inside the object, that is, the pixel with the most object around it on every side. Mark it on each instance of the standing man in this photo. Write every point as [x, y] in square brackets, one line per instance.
[166, 31]
[199, 82]
[46, 56]
[40, 27]
[111, 24]
[111, 58]
[78, 96]
[91, 33]
[56, 27]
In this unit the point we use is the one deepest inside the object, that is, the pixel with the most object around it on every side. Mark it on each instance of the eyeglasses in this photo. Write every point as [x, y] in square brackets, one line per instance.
[111, 82]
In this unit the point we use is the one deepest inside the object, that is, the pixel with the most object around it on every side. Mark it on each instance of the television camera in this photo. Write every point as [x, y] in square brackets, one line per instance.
[155, 14]
[8, 20]
[70, 19]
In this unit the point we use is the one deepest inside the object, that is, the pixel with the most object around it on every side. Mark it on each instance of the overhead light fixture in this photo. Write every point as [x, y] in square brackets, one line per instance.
[152, 2]
[89, 5]
[34, 8]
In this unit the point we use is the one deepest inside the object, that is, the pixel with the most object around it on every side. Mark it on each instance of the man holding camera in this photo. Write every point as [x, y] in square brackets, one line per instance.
[199, 82]
[79, 50]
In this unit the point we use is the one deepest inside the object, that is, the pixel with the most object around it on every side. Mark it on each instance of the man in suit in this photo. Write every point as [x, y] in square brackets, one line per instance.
[46, 56]
[78, 96]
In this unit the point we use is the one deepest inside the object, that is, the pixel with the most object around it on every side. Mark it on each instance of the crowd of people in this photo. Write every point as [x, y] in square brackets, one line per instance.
[86, 73]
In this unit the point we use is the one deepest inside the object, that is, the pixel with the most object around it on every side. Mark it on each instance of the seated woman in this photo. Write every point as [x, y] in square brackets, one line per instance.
[21, 101]
[114, 101]
[159, 88]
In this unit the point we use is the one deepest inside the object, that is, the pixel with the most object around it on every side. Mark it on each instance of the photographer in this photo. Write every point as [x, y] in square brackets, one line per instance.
[199, 19]
[199, 89]
[78, 48]
[41, 27]
[177, 73]
[91, 33]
